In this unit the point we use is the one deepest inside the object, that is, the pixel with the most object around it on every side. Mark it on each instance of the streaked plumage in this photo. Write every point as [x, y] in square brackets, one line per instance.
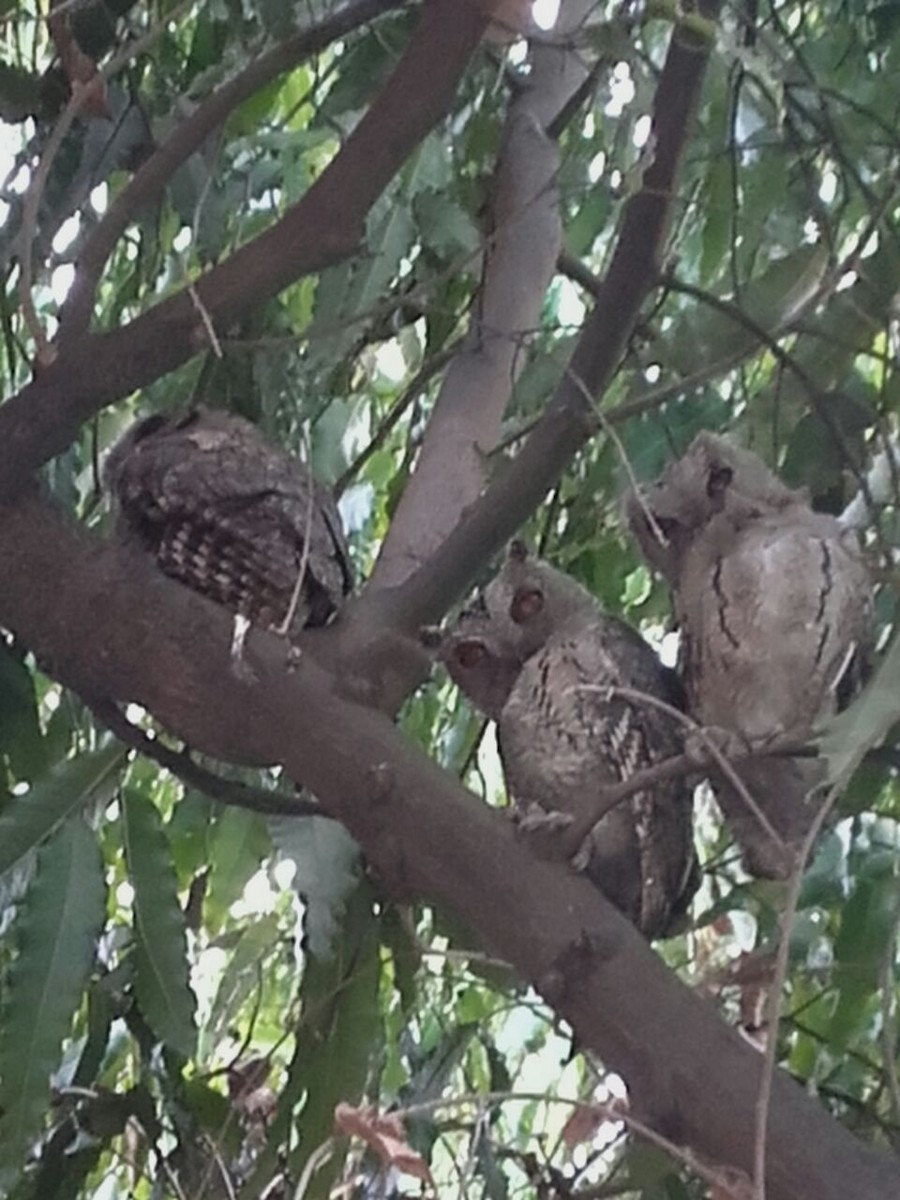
[536, 653]
[231, 516]
[773, 603]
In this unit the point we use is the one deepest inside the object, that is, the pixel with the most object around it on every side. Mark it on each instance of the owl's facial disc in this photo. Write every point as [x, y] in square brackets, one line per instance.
[526, 604]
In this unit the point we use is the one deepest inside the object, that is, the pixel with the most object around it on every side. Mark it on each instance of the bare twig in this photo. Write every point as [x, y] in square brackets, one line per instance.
[714, 751]
[225, 791]
[760, 1140]
[426, 372]
[46, 353]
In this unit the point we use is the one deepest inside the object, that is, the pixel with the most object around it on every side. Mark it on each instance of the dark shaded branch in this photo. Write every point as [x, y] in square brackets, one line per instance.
[266, 801]
[127, 631]
[321, 228]
[149, 180]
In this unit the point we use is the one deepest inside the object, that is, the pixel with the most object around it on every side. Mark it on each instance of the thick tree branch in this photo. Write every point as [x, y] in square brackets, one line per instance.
[518, 264]
[127, 631]
[321, 228]
[570, 420]
[147, 183]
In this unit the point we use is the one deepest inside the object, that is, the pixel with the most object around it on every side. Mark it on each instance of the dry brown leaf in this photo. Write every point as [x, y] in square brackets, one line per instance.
[386, 1135]
[581, 1126]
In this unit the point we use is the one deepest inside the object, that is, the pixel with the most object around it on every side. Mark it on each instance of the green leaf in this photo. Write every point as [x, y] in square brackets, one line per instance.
[59, 921]
[336, 1039]
[717, 228]
[327, 861]
[160, 939]
[237, 845]
[242, 977]
[88, 778]
[849, 736]
[21, 739]
[867, 927]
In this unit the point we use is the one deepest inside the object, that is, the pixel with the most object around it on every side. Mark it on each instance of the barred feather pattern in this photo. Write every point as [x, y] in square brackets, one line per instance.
[773, 601]
[538, 654]
[231, 516]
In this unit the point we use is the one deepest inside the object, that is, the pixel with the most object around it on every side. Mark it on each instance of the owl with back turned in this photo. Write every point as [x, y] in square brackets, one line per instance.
[536, 654]
[232, 516]
[773, 602]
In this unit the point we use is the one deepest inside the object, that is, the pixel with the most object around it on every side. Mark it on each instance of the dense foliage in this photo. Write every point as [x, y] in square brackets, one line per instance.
[191, 984]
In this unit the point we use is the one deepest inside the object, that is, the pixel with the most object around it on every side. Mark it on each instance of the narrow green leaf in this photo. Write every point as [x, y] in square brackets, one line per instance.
[21, 739]
[30, 818]
[866, 723]
[160, 939]
[247, 965]
[336, 1039]
[237, 845]
[717, 226]
[326, 858]
[59, 921]
[867, 925]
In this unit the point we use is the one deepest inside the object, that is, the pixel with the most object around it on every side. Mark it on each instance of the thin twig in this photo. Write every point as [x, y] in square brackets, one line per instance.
[715, 752]
[285, 627]
[427, 371]
[46, 353]
[770, 1055]
[226, 791]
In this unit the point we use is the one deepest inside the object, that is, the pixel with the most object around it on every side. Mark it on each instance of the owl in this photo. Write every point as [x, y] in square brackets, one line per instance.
[232, 516]
[537, 655]
[773, 603]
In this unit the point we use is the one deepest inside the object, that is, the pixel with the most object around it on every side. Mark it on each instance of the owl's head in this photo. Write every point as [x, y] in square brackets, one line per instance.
[714, 477]
[199, 429]
[508, 622]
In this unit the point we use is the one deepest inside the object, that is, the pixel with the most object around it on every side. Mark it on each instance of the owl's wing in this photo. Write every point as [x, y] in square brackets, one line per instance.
[565, 738]
[771, 624]
[235, 519]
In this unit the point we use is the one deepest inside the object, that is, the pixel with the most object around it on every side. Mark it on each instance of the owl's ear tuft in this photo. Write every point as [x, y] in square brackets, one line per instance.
[518, 551]
[526, 604]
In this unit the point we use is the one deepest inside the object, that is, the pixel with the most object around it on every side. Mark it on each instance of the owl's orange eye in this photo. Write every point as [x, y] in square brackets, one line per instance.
[526, 603]
[470, 654]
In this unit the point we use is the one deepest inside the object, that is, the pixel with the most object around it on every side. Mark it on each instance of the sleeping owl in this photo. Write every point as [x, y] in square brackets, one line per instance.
[537, 655]
[232, 516]
[773, 603]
